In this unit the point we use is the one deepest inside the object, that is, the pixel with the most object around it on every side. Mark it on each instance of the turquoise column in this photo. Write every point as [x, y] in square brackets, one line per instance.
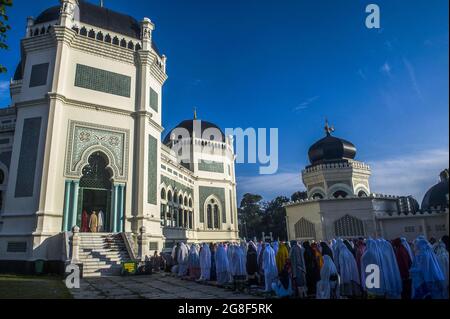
[121, 207]
[76, 191]
[67, 197]
[115, 208]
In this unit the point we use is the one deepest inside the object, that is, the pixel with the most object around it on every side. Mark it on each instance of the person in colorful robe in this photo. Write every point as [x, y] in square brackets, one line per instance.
[101, 221]
[85, 222]
[252, 264]
[296, 256]
[93, 222]
[404, 262]
[283, 286]
[312, 268]
[281, 257]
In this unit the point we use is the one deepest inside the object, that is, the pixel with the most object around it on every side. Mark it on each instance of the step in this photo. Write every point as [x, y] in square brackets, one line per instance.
[97, 254]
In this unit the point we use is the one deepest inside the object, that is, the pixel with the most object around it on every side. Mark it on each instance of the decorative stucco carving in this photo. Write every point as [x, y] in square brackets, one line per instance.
[85, 139]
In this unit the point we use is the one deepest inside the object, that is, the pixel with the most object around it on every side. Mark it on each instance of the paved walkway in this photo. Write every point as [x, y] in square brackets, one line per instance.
[157, 286]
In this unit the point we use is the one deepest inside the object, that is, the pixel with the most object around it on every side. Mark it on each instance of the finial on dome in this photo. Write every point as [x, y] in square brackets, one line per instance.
[328, 129]
[195, 113]
[101, 3]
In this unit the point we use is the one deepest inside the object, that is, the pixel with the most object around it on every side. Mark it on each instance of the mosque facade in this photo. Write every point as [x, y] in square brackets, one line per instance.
[340, 202]
[84, 133]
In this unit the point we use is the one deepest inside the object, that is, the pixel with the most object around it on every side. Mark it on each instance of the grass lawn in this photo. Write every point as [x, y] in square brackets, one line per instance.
[32, 287]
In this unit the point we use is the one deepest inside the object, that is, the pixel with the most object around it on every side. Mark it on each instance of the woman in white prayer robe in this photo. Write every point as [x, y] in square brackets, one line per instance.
[238, 267]
[205, 263]
[222, 266]
[101, 221]
[270, 267]
[372, 256]
[390, 271]
[442, 258]
[348, 270]
[183, 254]
[328, 286]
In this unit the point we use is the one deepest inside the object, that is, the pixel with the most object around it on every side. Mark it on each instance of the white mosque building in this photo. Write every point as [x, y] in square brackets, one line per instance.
[341, 204]
[84, 133]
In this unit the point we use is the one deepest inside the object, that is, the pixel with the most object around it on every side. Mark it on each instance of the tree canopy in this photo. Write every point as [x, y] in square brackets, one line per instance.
[4, 27]
[257, 216]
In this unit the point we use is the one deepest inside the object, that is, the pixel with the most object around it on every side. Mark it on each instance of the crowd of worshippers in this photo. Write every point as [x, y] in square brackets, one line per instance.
[338, 269]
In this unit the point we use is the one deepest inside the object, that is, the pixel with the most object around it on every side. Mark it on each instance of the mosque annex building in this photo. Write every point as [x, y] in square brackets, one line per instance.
[83, 134]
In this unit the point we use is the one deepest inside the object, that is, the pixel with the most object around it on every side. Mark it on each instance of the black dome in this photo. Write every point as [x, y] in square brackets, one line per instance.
[189, 126]
[331, 149]
[437, 195]
[99, 17]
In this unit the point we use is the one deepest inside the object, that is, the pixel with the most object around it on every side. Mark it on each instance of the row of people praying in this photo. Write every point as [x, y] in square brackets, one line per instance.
[324, 270]
[93, 222]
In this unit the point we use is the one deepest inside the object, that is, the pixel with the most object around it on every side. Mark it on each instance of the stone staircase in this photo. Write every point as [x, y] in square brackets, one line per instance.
[102, 254]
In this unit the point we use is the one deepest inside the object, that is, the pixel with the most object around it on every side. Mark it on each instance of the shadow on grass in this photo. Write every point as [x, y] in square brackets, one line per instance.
[32, 287]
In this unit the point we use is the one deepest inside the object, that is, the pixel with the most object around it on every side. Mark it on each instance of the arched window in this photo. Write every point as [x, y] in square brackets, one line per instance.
[340, 194]
[123, 43]
[180, 200]
[317, 196]
[83, 31]
[180, 218]
[190, 203]
[191, 220]
[76, 29]
[108, 38]
[186, 219]
[43, 30]
[216, 216]
[349, 226]
[131, 45]
[100, 36]
[169, 196]
[175, 197]
[185, 201]
[163, 194]
[2, 177]
[138, 47]
[91, 34]
[305, 229]
[209, 217]
[116, 41]
[362, 194]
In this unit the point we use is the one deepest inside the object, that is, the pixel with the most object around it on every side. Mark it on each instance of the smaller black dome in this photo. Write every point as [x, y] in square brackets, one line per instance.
[331, 149]
[437, 195]
[189, 126]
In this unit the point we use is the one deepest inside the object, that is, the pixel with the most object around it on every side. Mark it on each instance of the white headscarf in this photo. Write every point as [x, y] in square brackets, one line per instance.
[346, 264]
[324, 286]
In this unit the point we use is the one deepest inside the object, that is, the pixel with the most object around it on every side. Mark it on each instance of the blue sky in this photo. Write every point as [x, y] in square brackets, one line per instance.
[289, 65]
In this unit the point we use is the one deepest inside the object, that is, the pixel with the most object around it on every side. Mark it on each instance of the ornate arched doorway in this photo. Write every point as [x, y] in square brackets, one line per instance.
[96, 189]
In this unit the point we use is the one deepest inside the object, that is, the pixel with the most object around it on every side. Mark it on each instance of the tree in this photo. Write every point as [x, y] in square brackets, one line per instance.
[274, 218]
[249, 215]
[299, 196]
[4, 27]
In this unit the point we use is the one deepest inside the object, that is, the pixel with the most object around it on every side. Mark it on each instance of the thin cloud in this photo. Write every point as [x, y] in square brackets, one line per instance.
[412, 77]
[386, 69]
[412, 174]
[305, 104]
[362, 74]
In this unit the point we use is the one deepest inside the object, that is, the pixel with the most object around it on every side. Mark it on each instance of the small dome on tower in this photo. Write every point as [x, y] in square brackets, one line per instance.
[331, 149]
